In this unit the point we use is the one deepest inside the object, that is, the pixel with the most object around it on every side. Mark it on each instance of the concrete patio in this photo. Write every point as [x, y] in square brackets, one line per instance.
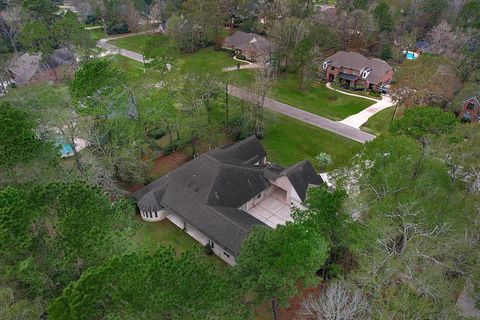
[273, 210]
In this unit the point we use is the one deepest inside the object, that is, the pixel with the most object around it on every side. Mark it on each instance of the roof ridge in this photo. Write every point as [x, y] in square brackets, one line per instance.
[212, 208]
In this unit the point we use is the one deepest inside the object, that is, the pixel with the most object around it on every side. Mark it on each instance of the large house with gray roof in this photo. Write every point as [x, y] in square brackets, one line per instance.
[356, 70]
[250, 45]
[218, 197]
[30, 68]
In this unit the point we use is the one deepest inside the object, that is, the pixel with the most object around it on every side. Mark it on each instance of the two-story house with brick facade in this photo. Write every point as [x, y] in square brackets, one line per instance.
[356, 70]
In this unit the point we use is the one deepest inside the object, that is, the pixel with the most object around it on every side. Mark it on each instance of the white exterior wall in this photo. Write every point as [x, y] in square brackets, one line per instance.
[258, 198]
[285, 184]
[223, 254]
[176, 220]
[152, 216]
[197, 235]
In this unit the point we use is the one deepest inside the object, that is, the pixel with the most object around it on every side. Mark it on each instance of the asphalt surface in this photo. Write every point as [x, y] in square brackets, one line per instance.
[307, 117]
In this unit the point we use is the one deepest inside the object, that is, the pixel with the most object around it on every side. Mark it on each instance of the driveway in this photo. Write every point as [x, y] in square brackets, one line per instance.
[307, 117]
[113, 49]
[358, 119]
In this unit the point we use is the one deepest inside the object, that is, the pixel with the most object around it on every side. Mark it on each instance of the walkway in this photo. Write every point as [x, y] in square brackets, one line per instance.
[358, 119]
[307, 117]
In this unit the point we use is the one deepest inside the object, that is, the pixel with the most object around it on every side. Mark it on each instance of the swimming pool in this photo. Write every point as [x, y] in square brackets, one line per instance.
[409, 55]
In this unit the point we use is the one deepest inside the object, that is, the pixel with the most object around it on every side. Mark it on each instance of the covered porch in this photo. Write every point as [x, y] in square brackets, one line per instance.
[273, 209]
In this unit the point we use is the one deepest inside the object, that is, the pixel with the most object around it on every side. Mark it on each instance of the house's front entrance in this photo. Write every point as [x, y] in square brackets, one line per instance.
[273, 209]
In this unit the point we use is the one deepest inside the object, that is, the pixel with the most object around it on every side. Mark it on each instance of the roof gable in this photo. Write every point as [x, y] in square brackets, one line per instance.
[356, 61]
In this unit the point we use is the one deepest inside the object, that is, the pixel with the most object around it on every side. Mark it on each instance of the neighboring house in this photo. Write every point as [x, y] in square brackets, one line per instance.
[354, 69]
[219, 196]
[250, 45]
[422, 46]
[471, 110]
[29, 68]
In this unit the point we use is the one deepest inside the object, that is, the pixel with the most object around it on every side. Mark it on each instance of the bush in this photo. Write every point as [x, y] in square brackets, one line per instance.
[156, 133]
[238, 128]
[171, 148]
[116, 27]
[91, 19]
[207, 249]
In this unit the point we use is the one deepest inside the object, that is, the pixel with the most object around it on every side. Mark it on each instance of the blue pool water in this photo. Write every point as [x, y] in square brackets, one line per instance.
[67, 149]
[410, 55]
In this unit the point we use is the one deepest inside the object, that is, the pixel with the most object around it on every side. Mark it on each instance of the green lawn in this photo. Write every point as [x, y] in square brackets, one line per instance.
[165, 233]
[379, 123]
[97, 34]
[205, 60]
[288, 141]
[317, 99]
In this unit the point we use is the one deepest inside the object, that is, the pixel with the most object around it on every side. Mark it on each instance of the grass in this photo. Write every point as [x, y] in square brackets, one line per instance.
[288, 141]
[317, 99]
[165, 233]
[379, 123]
[206, 60]
[97, 34]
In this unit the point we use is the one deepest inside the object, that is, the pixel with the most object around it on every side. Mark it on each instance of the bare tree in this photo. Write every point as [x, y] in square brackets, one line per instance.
[447, 42]
[263, 84]
[339, 302]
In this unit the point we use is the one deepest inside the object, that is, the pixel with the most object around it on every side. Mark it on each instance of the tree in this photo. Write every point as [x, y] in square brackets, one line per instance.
[40, 10]
[408, 209]
[151, 285]
[469, 16]
[98, 87]
[431, 80]
[287, 34]
[18, 143]
[324, 160]
[11, 307]
[70, 33]
[186, 35]
[272, 262]
[448, 42]
[422, 122]
[207, 14]
[304, 55]
[61, 230]
[338, 302]
[195, 97]
[383, 17]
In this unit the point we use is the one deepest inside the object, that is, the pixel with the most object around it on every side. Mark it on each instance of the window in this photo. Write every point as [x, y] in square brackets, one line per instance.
[471, 106]
[156, 216]
[228, 256]
[150, 215]
[332, 68]
[211, 243]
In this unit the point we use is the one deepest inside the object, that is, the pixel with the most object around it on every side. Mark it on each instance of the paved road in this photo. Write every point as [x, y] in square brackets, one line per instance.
[307, 117]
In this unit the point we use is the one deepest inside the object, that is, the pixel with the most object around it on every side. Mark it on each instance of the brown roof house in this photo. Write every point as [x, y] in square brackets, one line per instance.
[471, 110]
[30, 68]
[354, 69]
[218, 197]
[253, 46]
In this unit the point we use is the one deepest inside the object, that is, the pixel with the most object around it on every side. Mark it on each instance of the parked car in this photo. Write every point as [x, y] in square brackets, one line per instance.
[384, 89]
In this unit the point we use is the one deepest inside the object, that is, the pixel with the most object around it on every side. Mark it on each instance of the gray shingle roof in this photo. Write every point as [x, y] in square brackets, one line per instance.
[242, 40]
[24, 67]
[359, 62]
[302, 175]
[208, 191]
